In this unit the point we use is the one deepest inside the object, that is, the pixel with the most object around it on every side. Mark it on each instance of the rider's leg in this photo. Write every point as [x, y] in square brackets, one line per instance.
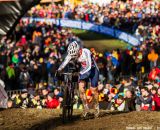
[94, 91]
[94, 83]
[95, 100]
[82, 85]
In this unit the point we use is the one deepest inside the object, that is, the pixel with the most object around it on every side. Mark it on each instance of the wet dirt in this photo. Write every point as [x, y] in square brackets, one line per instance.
[49, 119]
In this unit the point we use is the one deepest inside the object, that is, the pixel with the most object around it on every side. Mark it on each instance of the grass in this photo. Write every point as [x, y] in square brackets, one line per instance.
[99, 41]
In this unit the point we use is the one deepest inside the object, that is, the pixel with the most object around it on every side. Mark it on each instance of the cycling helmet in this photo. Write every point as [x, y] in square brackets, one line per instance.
[73, 48]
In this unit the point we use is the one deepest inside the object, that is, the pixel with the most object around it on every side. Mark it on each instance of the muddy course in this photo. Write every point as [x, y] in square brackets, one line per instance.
[45, 119]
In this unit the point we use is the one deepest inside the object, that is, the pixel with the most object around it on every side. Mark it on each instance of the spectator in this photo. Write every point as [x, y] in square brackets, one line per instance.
[103, 98]
[145, 100]
[24, 99]
[51, 102]
[24, 78]
[130, 101]
[44, 92]
[156, 98]
[35, 101]
[118, 104]
[153, 57]
[153, 75]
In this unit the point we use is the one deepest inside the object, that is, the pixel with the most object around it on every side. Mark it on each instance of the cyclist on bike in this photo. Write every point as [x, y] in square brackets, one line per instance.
[88, 71]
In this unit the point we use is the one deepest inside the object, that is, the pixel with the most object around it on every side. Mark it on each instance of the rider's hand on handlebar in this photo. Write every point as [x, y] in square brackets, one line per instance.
[57, 72]
[55, 75]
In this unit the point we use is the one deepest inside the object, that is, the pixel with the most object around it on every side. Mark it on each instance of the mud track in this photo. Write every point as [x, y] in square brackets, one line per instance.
[45, 119]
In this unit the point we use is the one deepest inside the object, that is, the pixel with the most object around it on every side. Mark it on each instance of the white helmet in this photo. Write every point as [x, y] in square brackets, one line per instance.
[73, 48]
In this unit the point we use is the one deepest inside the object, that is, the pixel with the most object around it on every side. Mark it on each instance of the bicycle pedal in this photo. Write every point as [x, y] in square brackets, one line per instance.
[91, 116]
[87, 115]
[96, 114]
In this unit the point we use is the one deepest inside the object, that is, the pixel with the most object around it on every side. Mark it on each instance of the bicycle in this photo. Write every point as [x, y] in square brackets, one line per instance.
[68, 97]
[68, 91]
[69, 78]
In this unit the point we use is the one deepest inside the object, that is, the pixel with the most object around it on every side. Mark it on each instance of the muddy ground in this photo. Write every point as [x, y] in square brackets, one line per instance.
[33, 119]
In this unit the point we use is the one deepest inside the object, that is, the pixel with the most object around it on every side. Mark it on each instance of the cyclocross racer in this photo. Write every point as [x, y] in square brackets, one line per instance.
[88, 72]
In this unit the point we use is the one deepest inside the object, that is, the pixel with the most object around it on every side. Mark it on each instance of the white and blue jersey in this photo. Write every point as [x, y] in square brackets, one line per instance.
[89, 69]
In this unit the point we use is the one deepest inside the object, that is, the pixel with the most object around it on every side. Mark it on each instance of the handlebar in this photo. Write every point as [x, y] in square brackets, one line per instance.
[70, 74]
[67, 73]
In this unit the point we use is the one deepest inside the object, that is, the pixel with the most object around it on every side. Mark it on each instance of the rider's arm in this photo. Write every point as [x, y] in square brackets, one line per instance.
[65, 62]
[87, 55]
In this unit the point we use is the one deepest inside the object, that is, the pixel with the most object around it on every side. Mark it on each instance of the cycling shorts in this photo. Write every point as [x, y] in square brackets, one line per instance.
[92, 76]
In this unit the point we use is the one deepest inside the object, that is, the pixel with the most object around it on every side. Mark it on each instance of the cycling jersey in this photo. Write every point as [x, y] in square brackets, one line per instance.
[89, 69]
[86, 60]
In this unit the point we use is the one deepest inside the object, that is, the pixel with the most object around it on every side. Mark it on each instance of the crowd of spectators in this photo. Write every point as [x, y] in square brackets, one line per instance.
[130, 94]
[41, 98]
[129, 79]
[126, 16]
[142, 19]
[30, 61]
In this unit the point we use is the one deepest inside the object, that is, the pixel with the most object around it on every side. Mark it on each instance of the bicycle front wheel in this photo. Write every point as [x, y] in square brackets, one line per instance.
[65, 104]
[71, 102]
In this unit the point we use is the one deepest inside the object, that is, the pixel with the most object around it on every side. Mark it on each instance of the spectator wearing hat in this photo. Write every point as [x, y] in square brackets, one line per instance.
[24, 99]
[118, 104]
[35, 101]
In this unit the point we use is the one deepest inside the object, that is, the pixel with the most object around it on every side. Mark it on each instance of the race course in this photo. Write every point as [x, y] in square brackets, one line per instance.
[49, 119]
[99, 41]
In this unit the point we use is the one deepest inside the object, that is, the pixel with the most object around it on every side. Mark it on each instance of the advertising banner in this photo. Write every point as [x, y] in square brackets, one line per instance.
[92, 27]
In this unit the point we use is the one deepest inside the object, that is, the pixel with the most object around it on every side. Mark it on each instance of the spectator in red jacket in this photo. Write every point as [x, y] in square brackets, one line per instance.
[51, 102]
[153, 93]
[156, 99]
[153, 75]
